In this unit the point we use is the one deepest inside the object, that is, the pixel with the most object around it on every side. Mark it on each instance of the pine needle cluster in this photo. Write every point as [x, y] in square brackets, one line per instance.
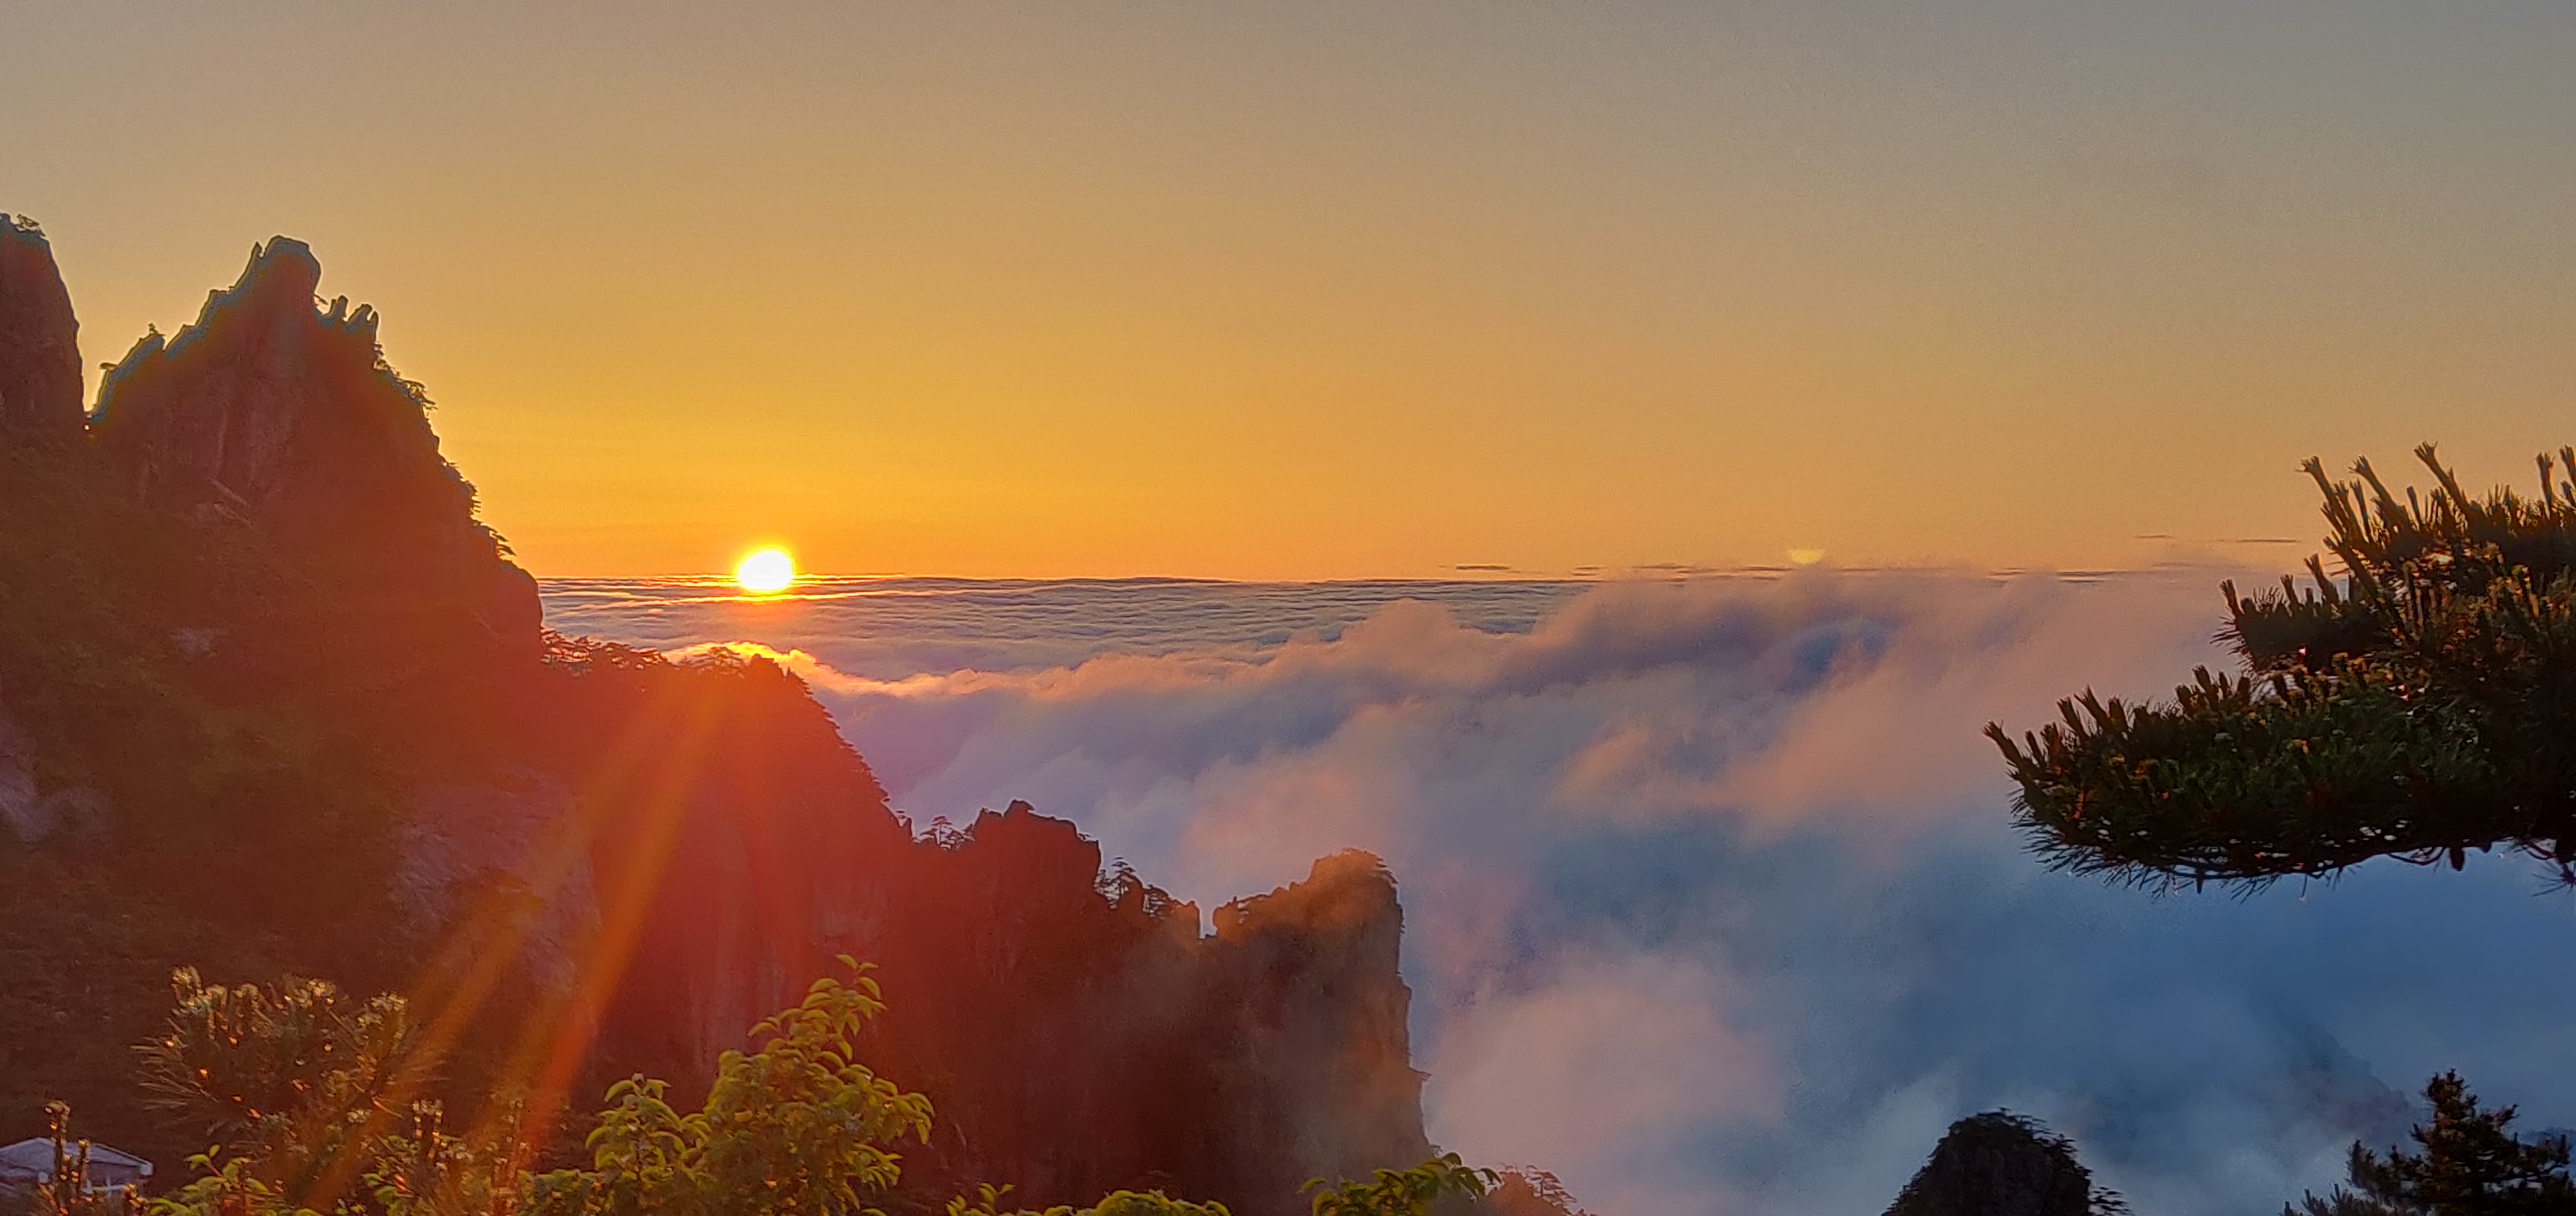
[2415, 700]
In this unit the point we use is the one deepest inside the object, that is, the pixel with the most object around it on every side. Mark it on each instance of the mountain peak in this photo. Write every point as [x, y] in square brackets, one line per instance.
[277, 413]
[282, 265]
[40, 370]
[2002, 1164]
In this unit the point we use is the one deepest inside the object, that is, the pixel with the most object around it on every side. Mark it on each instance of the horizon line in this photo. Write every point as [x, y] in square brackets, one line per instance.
[1661, 572]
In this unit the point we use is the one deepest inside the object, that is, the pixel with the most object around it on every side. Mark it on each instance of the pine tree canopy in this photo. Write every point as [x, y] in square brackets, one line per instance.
[2472, 1164]
[2417, 700]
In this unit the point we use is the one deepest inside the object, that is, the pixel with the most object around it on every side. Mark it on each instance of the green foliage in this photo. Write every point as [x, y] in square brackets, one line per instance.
[289, 1077]
[801, 1126]
[1391, 1193]
[1403, 1192]
[427, 1172]
[1530, 1191]
[988, 1201]
[2471, 1165]
[225, 1186]
[2422, 705]
[798, 1128]
[303, 1087]
[645, 1157]
[300, 1083]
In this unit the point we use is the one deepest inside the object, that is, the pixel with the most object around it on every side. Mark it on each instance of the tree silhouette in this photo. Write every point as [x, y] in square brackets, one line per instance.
[2471, 1165]
[2419, 701]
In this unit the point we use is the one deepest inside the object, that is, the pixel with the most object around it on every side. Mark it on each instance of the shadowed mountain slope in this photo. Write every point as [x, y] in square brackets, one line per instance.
[273, 700]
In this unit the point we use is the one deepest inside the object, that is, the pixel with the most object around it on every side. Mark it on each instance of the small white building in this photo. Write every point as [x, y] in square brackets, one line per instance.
[31, 1162]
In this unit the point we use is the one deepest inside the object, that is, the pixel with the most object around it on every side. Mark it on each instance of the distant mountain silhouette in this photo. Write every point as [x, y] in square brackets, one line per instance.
[273, 700]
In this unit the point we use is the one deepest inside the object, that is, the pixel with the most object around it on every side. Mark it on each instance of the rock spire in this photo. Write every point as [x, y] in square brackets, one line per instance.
[40, 370]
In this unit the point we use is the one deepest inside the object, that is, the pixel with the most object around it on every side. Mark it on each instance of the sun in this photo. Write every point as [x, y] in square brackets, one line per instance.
[766, 572]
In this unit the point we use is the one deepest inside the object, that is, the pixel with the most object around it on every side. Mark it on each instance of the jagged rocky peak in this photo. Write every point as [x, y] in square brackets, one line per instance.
[2003, 1164]
[1350, 893]
[1311, 973]
[279, 413]
[40, 368]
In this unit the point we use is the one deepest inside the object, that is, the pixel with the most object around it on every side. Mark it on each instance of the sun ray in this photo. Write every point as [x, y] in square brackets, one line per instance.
[555, 1041]
[644, 786]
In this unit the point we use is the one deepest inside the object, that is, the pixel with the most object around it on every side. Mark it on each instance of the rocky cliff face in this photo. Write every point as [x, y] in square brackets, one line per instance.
[1101, 1041]
[40, 371]
[275, 414]
[1305, 992]
[1076, 1029]
[331, 737]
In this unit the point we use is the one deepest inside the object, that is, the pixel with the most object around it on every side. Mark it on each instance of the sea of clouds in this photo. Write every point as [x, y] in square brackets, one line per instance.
[1713, 900]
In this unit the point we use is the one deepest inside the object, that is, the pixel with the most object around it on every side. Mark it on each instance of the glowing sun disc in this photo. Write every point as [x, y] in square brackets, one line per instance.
[766, 572]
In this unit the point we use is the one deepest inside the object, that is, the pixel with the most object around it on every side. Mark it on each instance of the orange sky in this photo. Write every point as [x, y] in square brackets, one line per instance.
[1340, 289]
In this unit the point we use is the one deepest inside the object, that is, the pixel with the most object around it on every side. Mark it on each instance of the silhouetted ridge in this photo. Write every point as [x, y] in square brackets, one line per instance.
[2002, 1164]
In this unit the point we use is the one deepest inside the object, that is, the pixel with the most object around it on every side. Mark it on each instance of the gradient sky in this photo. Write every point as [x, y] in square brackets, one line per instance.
[1345, 289]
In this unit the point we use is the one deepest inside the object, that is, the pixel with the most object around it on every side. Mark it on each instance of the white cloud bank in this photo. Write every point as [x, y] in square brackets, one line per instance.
[1712, 901]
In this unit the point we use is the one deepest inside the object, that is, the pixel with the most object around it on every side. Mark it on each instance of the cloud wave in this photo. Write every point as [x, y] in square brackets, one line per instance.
[1712, 901]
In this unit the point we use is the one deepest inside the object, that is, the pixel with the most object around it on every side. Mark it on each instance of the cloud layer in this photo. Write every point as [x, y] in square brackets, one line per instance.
[1713, 904]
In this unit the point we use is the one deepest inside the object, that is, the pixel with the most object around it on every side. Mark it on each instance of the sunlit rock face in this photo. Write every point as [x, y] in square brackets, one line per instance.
[1074, 1027]
[1311, 1017]
[40, 371]
[1089, 1038]
[281, 415]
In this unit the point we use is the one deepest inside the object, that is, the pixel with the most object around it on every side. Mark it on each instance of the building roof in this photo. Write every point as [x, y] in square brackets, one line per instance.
[34, 1156]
